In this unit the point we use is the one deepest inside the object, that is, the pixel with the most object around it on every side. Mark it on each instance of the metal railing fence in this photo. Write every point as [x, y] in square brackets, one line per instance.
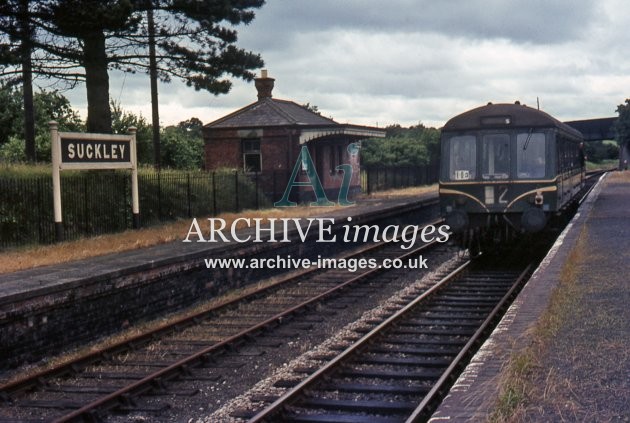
[99, 202]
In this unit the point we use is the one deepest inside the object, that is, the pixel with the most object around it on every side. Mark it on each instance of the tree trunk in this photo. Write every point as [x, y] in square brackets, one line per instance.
[99, 116]
[27, 82]
[155, 112]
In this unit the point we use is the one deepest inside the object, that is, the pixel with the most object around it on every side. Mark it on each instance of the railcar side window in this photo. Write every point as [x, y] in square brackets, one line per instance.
[530, 155]
[462, 154]
[495, 156]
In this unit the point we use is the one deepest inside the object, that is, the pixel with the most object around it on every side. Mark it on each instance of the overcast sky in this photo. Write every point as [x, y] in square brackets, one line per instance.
[380, 62]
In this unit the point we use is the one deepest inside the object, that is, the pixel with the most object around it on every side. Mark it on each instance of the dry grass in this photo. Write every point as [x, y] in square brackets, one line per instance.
[525, 381]
[35, 256]
[27, 258]
[619, 177]
[532, 386]
[403, 192]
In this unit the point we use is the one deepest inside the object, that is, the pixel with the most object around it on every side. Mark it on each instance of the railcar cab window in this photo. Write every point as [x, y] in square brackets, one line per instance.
[251, 155]
[495, 156]
[462, 154]
[530, 155]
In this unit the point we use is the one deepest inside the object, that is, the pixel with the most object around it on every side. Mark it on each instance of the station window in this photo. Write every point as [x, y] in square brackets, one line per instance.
[462, 157]
[530, 155]
[252, 160]
[335, 156]
[496, 156]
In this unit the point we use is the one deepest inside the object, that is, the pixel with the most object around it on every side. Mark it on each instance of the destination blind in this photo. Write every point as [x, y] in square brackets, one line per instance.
[94, 151]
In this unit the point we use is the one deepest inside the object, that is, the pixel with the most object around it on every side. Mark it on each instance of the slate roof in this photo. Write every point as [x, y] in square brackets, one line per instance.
[271, 112]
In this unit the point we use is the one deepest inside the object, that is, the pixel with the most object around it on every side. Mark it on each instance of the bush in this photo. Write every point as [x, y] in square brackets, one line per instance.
[13, 151]
[180, 149]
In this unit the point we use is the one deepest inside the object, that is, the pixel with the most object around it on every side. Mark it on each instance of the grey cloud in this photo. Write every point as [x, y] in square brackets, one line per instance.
[521, 21]
[405, 61]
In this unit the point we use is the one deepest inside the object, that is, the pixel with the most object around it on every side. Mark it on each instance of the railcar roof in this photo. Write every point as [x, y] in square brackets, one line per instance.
[493, 116]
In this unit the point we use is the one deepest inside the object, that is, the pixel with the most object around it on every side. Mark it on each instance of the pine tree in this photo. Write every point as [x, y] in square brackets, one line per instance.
[80, 40]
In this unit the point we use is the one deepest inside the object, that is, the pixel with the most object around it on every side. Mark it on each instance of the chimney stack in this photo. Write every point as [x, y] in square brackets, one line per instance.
[264, 85]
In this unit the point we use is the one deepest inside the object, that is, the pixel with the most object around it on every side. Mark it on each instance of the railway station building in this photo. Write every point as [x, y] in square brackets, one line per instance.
[266, 139]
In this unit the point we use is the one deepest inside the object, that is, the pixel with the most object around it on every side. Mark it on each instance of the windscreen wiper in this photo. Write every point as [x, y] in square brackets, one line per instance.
[529, 137]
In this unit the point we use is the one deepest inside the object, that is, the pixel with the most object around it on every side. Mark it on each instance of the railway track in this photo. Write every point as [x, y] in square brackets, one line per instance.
[118, 378]
[400, 370]
[441, 339]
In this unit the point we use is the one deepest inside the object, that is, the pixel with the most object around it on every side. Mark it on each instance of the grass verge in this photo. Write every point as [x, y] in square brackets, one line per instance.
[522, 382]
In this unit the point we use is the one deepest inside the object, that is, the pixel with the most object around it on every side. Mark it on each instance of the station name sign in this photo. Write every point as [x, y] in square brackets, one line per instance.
[95, 151]
[76, 150]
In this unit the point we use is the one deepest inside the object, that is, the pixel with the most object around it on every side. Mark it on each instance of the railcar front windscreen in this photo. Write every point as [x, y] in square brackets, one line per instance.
[530, 155]
[495, 156]
[462, 157]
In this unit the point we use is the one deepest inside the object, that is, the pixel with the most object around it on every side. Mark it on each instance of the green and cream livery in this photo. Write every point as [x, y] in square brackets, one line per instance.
[508, 166]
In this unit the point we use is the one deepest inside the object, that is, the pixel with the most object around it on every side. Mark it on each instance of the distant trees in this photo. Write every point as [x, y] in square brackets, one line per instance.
[182, 146]
[123, 120]
[416, 145]
[10, 113]
[598, 151]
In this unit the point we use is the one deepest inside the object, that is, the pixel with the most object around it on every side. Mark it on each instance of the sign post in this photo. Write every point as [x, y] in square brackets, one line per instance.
[74, 150]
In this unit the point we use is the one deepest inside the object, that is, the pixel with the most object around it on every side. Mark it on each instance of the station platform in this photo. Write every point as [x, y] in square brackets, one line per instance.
[47, 309]
[17, 285]
[581, 372]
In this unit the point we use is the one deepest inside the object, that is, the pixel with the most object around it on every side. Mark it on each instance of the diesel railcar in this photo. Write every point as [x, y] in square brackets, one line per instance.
[506, 169]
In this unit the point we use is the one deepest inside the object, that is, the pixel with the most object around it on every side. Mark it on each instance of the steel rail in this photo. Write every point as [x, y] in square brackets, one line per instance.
[444, 382]
[100, 355]
[120, 396]
[293, 394]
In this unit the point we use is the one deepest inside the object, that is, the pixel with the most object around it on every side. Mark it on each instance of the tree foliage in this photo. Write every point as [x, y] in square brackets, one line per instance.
[598, 151]
[10, 113]
[622, 125]
[80, 40]
[182, 144]
[123, 120]
[49, 105]
[181, 148]
[413, 146]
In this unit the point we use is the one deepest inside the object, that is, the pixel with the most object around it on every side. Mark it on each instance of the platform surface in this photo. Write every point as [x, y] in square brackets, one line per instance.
[44, 279]
[586, 366]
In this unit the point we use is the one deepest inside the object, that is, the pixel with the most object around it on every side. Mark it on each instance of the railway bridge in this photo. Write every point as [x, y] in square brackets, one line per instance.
[601, 129]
